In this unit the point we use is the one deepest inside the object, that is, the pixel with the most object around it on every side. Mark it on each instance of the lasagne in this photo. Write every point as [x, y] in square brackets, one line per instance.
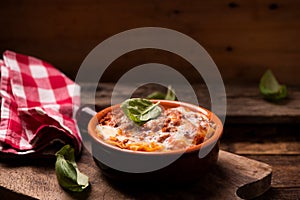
[176, 128]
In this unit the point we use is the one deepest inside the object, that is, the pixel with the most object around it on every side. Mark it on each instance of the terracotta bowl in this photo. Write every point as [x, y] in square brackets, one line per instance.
[184, 165]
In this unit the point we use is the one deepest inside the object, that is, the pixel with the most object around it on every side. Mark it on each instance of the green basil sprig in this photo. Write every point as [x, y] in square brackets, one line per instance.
[158, 95]
[270, 88]
[140, 110]
[67, 173]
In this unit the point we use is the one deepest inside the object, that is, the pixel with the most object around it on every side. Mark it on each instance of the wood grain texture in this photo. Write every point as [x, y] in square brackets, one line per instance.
[265, 140]
[273, 142]
[243, 37]
[267, 148]
[286, 169]
[280, 194]
[244, 102]
[233, 177]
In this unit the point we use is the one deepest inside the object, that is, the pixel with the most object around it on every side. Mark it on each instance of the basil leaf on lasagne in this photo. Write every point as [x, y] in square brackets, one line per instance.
[170, 95]
[140, 110]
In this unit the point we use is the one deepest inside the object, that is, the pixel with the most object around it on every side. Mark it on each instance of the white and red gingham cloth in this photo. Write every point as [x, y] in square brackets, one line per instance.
[38, 105]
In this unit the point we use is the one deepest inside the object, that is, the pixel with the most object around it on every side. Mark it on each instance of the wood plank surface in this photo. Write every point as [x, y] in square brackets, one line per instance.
[244, 102]
[232, 178]
[243, 37]
[281, 194]
[273, 142]
[261, 139]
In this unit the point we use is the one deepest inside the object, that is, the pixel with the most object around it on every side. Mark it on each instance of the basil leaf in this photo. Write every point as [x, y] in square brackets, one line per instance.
[67, 173]
[158, 95]
[270, 88]
[140, 110]
[82, 179]
[170, 94]
[67, 152]
[151, 112]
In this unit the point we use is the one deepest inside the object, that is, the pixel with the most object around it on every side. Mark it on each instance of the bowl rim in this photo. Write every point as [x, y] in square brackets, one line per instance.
[213, 139]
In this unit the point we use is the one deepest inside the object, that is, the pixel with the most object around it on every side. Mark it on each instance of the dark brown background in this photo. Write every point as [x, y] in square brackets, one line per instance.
[244, 37]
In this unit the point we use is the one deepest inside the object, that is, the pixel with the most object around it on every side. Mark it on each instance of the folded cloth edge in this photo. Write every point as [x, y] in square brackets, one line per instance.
[8, 56]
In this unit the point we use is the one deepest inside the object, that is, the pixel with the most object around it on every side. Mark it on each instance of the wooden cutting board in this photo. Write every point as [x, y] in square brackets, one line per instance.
[233, 177]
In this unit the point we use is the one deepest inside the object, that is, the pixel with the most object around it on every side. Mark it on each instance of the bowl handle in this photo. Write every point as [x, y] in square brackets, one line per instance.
[83, 116]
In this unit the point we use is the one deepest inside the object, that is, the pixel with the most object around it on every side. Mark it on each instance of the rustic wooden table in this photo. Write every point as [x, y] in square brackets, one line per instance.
[254, 128]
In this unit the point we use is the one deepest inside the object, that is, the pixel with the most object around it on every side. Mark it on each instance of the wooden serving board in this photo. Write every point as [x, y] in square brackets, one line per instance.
[233, 177]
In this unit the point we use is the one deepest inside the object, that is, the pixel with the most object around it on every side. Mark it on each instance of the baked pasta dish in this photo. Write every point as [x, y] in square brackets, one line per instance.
[175, 128]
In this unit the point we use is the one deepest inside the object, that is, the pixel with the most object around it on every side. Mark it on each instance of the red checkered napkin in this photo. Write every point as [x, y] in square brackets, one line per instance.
[38, 105]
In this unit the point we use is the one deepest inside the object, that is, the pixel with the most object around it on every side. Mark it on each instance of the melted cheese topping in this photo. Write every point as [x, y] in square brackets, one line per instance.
[176, 128]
